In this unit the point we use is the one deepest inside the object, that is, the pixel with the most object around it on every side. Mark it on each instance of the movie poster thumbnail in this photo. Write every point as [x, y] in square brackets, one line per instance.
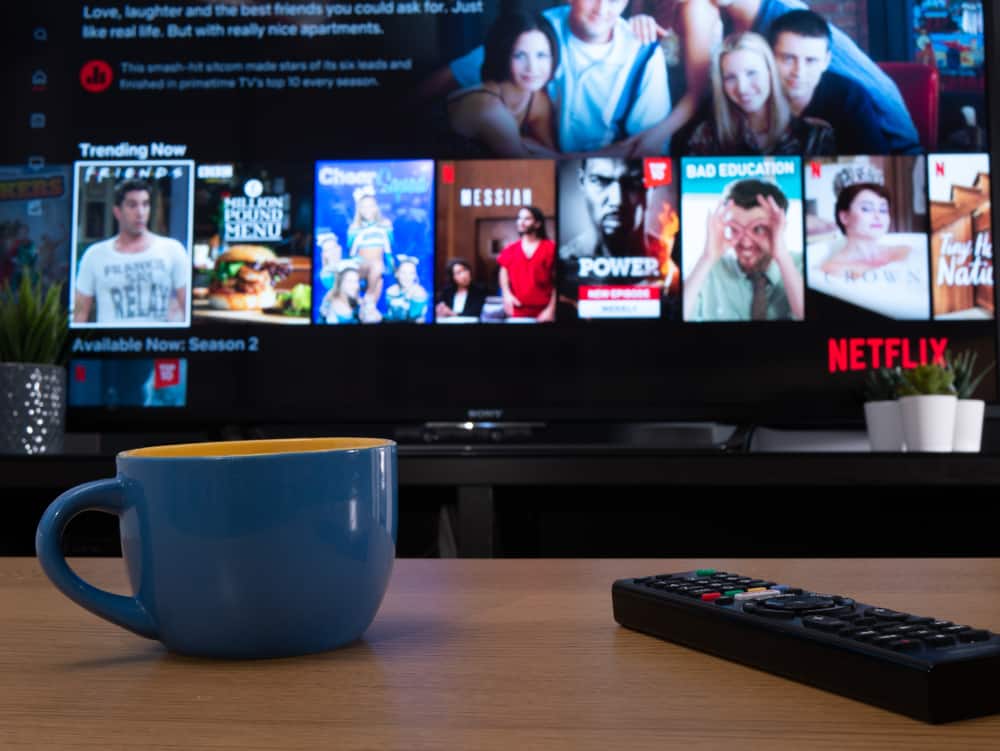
[496, 250]
[961, 236]
[742, 238]
[374, 242]
[160, 382]
[618, 224]
[253, 243]
[866, 234]
[34, 223]
[130, 243]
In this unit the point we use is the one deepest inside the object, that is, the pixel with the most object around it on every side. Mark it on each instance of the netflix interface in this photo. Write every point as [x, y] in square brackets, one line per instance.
[262, 189]
[496, 252]
[130, 244]
[961, 239]
[866, 235]
[374, 244]
[253, 243]
[618, 224]
[742, 220]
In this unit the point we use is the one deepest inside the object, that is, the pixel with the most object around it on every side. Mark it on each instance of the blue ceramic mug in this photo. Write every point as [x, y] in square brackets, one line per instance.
[243, 548]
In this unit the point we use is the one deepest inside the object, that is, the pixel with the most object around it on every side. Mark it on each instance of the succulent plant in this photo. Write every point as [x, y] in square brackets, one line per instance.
[963, 366]
[882, 384]
[33, 323]
[928, 379]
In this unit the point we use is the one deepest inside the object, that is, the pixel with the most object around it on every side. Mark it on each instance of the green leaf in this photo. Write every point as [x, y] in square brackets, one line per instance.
[34, 324]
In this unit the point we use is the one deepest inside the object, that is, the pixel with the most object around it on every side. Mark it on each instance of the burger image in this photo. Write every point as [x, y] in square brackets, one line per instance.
[244, 278]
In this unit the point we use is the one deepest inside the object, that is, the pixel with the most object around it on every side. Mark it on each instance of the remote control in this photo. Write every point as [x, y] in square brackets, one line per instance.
[924, 667]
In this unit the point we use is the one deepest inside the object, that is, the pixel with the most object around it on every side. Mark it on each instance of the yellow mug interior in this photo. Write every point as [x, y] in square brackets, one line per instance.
[253, 448]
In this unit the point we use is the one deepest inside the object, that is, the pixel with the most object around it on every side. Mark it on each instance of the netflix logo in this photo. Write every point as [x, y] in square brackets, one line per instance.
[865, 353]
[166, 373]
[657, 171]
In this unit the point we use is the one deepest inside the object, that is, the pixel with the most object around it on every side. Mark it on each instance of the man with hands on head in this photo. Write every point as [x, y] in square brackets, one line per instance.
[761, 279]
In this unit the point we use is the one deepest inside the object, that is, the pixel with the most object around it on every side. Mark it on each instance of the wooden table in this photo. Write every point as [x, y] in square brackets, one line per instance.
[465, 654]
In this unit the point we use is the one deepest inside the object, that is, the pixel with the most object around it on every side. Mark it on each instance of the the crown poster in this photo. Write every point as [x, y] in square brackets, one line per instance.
[866, 237]
[962, 241]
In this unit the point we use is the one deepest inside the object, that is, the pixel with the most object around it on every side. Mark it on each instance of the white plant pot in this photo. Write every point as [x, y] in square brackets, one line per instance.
[884, 421]
[969, 424]
[929, 422]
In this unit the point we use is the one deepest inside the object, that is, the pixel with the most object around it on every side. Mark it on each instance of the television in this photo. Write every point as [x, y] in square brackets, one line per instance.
[398, 211]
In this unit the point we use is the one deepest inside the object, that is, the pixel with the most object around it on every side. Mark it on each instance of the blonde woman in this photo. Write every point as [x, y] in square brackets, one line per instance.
[750, 112]
[370, 240]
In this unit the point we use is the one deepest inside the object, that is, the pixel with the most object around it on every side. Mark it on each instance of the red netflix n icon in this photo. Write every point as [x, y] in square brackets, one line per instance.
[166, 373]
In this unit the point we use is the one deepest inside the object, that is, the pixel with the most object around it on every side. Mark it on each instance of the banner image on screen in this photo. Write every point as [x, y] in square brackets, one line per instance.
[554, 77]
[496, 247]
[618, 223]
[866, 233]
[130, 243]
[160, 382]
[253, 243]
[34, 223]
[374, 246]
[962, 238]
[742, 235]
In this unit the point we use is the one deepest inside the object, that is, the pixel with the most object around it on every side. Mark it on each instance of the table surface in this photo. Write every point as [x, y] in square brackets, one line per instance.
[465, 654]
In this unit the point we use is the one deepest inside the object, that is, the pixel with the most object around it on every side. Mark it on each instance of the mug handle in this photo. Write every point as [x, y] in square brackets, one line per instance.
[103, 495]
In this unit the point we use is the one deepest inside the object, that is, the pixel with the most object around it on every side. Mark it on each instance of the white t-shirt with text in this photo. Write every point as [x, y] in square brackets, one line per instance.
[134, 288]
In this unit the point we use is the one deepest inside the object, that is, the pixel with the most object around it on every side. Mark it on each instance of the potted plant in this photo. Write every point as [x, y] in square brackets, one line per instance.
[927, 401]
[33, 329]
[883, 419]
[969, 411]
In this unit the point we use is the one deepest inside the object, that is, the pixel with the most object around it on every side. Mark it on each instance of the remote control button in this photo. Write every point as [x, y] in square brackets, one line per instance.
[799, 602]
[705, 572]
[941, 624]
[823, 623]
[924, 633]
[919, 620]
[731, 592]
[724, 600]
[744, 581]
[885, 614]
[697, 593]
[861, 620]
[954, 629]
[708, 597]
[756, 595]
[755, 609]
[905, 645]
[891, 628]
[939, 640]
[865, 634]
[840, 612]
[972, 635]
[883, 641]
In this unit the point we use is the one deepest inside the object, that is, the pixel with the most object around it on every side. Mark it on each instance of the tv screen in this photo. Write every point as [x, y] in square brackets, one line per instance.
[405, 211]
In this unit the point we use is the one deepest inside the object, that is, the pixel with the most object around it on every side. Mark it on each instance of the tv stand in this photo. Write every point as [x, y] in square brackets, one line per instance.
[614, 475]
